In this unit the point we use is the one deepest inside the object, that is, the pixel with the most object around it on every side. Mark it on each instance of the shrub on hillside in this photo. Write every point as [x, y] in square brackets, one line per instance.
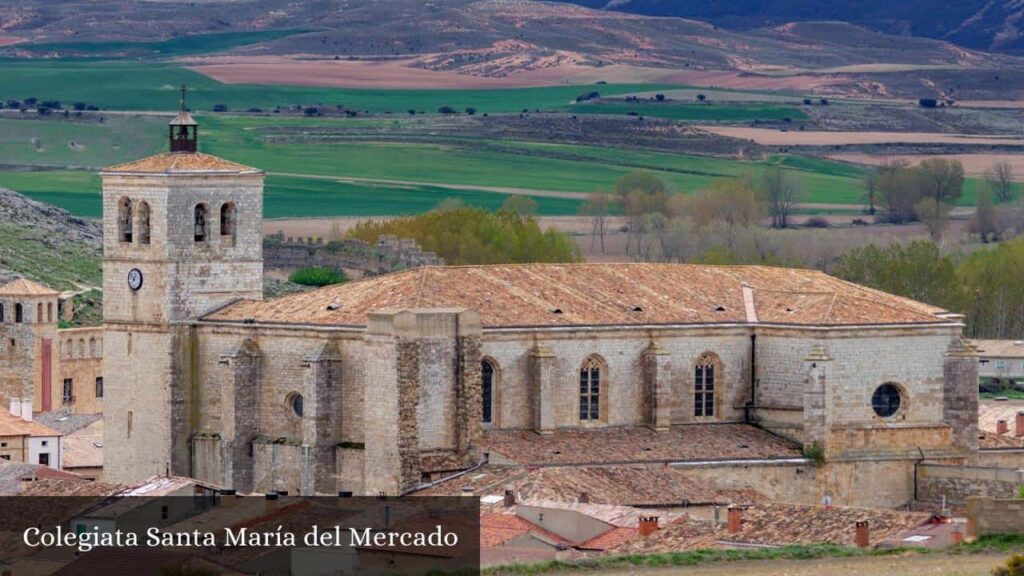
[316, 276]
[816, 222]
[465, 235]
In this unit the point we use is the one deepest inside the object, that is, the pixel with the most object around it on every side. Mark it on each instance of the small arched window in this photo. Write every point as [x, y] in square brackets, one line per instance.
[590, 389]
[704, 385]
[487, 391]
[69, 349]
[228, 223]
[39, 313]
[1, 312]
[49, 312]
[92, 348]
[143, 223]
[124, 220]
[19, 313]
[201, 223]
[81, 348]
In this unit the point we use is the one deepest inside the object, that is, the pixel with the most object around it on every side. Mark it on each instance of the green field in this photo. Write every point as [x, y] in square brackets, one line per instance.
[154, 86]
[305, 175]
[694, 112]
[180, 46]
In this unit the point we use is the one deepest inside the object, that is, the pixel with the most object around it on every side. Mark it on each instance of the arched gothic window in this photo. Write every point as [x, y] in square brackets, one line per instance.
[19, 313]
[1, 313]
[144, 223]
[124, 220]
[704, 385]
[81, 348]
[49, 312]
[487, 391]
[590, 389]
[201, 224]
[228, 224]
[92, 348]
[39, 313]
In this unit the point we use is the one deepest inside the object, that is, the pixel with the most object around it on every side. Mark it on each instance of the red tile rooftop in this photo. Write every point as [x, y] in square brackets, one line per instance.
[780, 525]
[25, 287]
[634, 485]
[634, 444]
[181, 163]
[598, 294]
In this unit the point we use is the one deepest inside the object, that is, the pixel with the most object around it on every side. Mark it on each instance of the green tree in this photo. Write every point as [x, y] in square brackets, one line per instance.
[474, 236]
[1000, 178]
[522, 205]
[870, 181]
[942, 180]
[916, 270]
[993, 280]
[317, 276]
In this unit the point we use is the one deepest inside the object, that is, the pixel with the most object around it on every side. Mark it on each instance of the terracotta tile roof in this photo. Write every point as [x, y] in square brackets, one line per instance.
[990, 412]
[67, 487]
[631, 444]
[15, 426]
[26, 287]
[780, 525]
[597, 294]
[999, 348]
[636, 485]
[496, 529]
[83, 451]
[617, 536]
[181, 163]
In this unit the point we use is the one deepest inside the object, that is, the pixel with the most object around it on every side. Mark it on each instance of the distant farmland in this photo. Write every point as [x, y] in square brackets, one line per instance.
[342, 176]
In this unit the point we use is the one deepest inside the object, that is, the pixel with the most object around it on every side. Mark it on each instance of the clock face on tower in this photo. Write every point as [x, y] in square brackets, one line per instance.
[135, 278]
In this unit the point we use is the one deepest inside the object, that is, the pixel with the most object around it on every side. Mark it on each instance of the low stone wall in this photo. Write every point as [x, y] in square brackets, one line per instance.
[994, 516]
[390, 254]
[958, 483]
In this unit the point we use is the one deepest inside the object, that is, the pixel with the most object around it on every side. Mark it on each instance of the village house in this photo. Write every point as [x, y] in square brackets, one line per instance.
[53, 368]
[1002, 359]
[23, 440]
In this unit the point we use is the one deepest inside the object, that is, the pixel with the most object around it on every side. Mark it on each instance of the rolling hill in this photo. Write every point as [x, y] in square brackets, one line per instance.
[980, 24]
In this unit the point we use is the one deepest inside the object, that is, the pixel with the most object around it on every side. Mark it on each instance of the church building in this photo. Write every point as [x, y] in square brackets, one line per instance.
[376, 386]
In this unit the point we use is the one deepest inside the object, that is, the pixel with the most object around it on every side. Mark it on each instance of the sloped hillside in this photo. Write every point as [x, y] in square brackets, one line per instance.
[47, 244]
[483, 37]
[980, 24]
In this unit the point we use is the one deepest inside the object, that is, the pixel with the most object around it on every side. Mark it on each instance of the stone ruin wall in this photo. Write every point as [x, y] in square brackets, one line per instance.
[390, 254]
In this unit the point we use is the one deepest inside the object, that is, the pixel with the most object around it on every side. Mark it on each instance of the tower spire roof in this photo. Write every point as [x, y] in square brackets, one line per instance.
[183, 118]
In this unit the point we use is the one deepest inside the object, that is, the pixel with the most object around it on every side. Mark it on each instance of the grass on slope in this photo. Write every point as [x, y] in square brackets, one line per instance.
[149, 86]
[29, 140]
[61, 265]
[181, 46]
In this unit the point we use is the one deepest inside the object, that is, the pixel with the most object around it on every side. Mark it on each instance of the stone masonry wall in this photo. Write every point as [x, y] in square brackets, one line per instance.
[390, 254]
[994, 516]
[957, 483]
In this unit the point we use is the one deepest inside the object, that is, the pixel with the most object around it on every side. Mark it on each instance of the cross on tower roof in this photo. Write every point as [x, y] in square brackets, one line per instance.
[184, 133]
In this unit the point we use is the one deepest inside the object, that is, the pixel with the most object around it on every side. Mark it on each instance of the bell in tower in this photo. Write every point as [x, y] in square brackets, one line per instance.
[184, 132]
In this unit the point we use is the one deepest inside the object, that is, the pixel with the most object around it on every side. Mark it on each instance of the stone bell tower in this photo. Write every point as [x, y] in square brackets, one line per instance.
[181, 237]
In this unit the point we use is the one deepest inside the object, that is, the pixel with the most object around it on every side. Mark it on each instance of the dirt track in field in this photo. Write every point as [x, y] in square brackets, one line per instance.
[774, 137]
[974, 164]
[402, 73]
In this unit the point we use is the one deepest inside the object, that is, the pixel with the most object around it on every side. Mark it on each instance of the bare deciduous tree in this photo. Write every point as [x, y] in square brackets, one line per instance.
[780, 191]
[1000, 177]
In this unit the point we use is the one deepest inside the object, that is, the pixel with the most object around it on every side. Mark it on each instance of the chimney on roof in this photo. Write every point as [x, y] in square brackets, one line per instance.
[510, 498]
[862, 536]
[733, 519]
[271, 502]
[1018, 424]
[16, 407]
[227, 498]
[26, 409]
[584, 498]
[648, 525]
[1001, 427]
